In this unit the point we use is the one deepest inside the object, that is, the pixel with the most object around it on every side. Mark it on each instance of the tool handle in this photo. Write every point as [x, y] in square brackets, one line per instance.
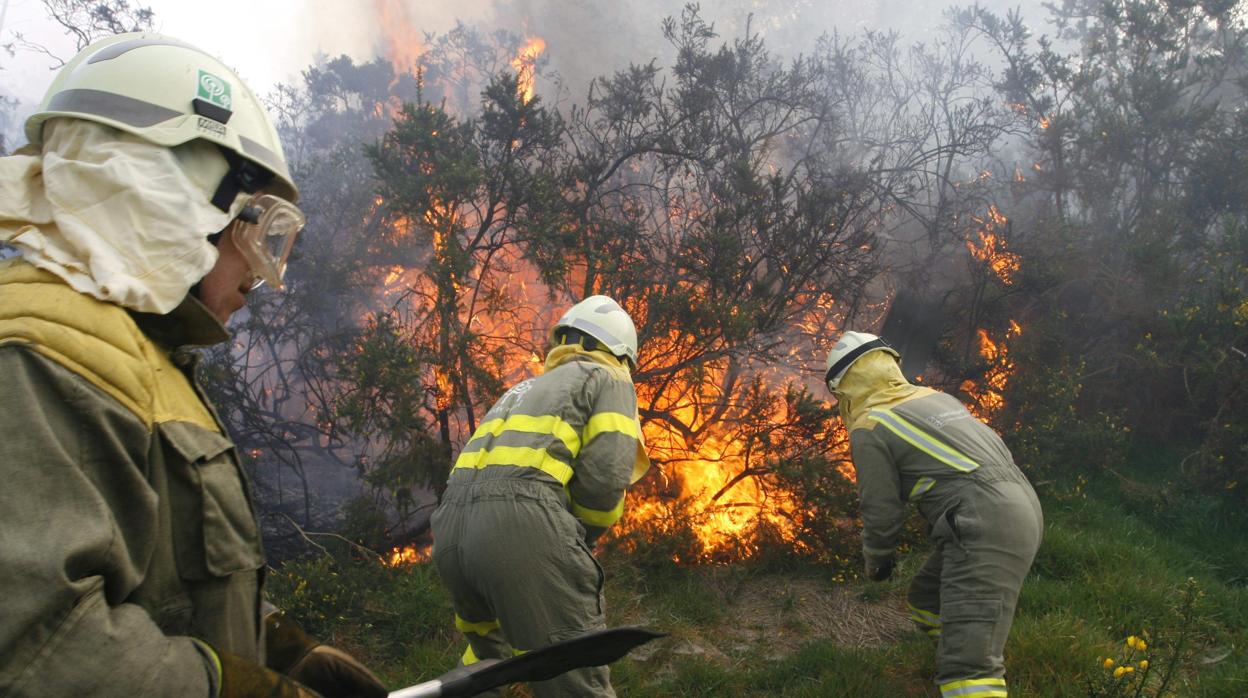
[428, 689]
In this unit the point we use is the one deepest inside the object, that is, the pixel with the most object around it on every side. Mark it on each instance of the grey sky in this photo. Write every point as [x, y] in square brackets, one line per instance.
[270, 41]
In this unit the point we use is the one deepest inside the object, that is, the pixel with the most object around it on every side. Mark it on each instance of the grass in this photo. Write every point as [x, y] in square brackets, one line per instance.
[1114, 562]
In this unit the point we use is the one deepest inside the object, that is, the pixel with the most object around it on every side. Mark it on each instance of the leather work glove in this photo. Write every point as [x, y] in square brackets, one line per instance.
[244, 679]
[592, 534]
[879, 569]
[331, 672]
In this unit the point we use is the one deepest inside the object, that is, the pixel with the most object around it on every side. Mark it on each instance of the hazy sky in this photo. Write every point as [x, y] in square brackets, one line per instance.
[270, 41]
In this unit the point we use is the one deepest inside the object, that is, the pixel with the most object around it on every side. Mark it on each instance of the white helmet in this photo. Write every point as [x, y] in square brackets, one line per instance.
[604, 320]
[169, 93]
[848, 349]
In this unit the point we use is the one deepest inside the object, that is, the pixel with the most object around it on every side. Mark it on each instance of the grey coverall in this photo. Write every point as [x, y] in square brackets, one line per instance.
[542, 477]
[985, 521]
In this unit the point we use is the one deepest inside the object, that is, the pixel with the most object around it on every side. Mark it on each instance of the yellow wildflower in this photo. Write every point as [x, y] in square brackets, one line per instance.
[1141, 645]
[1143, 664]
[1131, 641]
[1108, 663]
[1127, 669]
[1119, 672]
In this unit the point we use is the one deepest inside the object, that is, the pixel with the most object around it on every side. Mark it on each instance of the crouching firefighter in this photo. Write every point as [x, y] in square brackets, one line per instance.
[912, 443]
[153, 196]
[543, 476]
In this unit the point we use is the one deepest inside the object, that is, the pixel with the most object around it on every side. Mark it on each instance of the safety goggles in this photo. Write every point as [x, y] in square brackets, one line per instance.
[264, 233]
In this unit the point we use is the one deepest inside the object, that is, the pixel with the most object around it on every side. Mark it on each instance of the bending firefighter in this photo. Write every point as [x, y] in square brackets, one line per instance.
[153, 196]
[915, 444]
[543, 476]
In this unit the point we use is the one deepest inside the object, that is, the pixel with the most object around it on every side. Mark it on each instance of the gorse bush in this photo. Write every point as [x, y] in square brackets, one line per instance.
[1137, 670]
[362, 603]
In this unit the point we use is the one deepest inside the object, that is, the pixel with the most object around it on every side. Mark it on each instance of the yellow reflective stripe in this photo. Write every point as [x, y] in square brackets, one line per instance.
[469, 459]
[529, 424]
[974, 688]
[469, 657]
[520, 457]
[482, 628]
[918, 615]
[920, 488]
[611, 422]
[216, 661]
[979, 693]
[595, 517]
[922, 441]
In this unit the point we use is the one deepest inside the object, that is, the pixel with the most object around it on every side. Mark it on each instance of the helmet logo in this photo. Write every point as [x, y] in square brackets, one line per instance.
[214, 90]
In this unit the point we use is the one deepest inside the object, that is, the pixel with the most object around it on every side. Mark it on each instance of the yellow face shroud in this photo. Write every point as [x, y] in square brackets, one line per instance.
[874, 380]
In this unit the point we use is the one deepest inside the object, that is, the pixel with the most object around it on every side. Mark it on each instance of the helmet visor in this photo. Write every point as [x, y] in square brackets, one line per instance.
[265, 232]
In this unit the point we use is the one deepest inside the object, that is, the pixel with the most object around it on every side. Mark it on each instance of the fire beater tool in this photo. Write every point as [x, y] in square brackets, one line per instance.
[591, 649]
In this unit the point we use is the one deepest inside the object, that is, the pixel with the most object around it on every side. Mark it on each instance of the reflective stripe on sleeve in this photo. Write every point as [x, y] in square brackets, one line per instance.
[482, 628]
[920, 488]
[595, 517]
[974, 688]
[469, 658]
[610, 422]
[922, 441]
[520, 457]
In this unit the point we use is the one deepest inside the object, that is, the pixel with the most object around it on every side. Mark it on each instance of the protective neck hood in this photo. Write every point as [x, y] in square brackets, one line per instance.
[117, 217]
[569, 352]
[874, 380]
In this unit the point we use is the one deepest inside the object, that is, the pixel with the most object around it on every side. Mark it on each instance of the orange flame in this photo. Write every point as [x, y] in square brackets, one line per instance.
[403, 43]
[988, 395]
[524, 64]
[991, 249]
[408, 555]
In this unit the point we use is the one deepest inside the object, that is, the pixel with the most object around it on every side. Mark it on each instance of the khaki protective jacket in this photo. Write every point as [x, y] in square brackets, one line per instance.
[912, 444]
[573, 428]
[127, 534]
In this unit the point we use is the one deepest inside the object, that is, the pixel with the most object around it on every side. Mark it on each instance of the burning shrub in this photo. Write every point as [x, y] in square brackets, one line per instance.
[1048, 425]
[770, 483]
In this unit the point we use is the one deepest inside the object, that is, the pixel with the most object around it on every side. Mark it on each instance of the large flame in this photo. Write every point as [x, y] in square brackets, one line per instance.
[524, 64]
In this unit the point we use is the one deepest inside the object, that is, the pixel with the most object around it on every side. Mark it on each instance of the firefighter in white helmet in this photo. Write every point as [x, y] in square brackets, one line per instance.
[916, 444]
[541, 478]
[152, 197]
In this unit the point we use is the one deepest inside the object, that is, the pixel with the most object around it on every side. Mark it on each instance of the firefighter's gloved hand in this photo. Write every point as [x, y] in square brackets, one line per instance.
[879, 569]
[241, 678]
[332, 672]
[592, 534]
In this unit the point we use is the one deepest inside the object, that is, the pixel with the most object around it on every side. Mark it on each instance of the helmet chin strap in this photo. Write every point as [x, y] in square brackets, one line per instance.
[571, 335]
[243, 175]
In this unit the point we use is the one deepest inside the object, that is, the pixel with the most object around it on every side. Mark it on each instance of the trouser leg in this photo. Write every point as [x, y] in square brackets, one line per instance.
[988, 546]
[542, 582]
[473, 615]
[923, 598]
